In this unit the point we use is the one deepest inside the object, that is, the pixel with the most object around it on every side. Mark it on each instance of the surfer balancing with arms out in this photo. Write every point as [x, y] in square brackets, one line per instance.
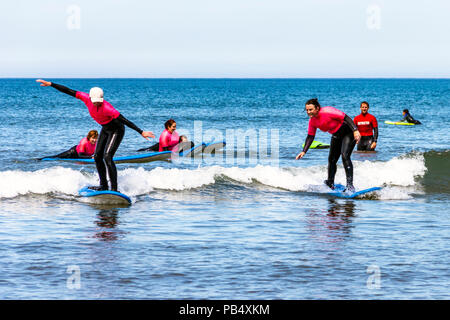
[344, 136]
[368, 127]
[113, 130]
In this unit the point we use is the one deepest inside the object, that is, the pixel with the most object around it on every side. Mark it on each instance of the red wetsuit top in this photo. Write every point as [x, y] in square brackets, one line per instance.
[366, 123]
[85, 147]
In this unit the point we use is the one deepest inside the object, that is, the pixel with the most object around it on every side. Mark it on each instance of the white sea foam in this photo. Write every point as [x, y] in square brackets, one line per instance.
[51, 180]
[397, 175]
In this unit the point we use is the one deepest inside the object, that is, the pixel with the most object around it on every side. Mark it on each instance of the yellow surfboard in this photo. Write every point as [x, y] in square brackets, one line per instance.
[400, 123]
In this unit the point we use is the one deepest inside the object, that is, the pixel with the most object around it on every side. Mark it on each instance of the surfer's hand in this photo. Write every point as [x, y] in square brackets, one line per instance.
[300, 155]
[373, 145]
[44, 83]
[357, 136]
[147, 134]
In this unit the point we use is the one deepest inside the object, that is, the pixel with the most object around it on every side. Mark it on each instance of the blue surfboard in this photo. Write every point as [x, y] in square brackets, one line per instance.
[138, 158]
[339, 192]
[105, 197]
[150, 156]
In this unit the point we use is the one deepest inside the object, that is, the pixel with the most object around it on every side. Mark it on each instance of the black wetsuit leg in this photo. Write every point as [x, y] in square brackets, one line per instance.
[68, 154]
[108, 142]
[365, 143]
[342, 144]
[333, 157]
[154, 148]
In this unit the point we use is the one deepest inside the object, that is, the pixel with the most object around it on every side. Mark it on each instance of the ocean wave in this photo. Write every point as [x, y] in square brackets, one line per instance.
[401, 177]
[437, 177]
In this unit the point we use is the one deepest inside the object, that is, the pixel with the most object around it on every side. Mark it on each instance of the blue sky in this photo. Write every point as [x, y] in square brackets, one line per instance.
[210, 38]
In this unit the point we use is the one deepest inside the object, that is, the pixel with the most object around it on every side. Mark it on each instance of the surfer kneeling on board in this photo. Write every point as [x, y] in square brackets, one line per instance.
[113, 130]
[408, 118]
[368, 127]
[344, 136]
[84, 150]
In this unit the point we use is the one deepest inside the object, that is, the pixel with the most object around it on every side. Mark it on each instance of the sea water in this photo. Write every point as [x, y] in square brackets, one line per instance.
[248, 223]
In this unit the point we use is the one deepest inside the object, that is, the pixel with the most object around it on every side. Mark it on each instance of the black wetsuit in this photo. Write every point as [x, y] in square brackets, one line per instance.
[410, 119]
[107, 144]
[69, 154]
[342, 144]
[182, 146]
[366, 141]
[154, 148]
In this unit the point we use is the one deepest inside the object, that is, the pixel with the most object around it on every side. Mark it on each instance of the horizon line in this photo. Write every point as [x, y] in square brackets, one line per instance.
[231, 78]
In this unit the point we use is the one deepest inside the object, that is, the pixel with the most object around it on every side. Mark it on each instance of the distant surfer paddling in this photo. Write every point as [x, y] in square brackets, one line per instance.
[345, 135]
[113, 130]
[407, 117]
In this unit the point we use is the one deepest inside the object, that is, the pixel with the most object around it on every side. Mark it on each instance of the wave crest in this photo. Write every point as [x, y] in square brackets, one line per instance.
[399, 175]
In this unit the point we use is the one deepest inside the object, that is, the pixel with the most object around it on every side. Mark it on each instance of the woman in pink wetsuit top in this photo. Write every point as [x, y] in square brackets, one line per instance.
[344, 133]
[113, 130]
[169, 139]
[85, 149]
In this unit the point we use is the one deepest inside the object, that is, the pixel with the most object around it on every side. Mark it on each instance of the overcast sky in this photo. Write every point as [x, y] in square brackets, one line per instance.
[226, 38]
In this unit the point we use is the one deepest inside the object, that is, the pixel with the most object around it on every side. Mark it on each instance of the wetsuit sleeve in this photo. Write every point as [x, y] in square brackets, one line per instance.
[64, 89]
[350, 123]
[375, 134]
[129, 124]
[308, 141]
[374, 122]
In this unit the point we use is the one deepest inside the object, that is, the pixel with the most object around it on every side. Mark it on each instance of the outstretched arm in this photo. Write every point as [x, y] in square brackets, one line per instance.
[128, 123]
[308, 141]
[58, 87]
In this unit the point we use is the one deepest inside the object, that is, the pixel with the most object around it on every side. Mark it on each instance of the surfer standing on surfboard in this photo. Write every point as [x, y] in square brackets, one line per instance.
[368, 127]
[113, 130]
[344, 136]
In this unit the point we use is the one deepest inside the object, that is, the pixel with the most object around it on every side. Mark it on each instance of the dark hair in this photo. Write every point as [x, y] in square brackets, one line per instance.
[181, 137]
[314, 102]
[92, 134]
[169, 123]
[364, 102]
[406, 110]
